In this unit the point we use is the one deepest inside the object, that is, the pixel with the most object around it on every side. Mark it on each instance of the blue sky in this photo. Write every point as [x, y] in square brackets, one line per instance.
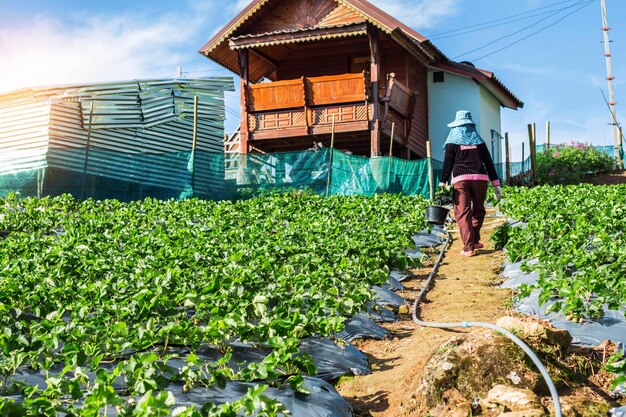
[559, 72]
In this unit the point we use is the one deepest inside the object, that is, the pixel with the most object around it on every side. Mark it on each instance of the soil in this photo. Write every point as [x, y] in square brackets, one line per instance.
[465, 289]
[615, 177]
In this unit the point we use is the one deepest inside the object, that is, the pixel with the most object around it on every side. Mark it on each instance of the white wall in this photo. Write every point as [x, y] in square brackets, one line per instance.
[490, 119]
[444, 100]
[460, 93]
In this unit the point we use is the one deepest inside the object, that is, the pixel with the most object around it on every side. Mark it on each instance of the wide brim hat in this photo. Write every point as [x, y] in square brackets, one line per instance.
[463, 117]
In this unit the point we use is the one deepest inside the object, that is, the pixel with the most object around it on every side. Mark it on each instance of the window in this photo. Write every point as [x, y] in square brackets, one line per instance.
[438, 77]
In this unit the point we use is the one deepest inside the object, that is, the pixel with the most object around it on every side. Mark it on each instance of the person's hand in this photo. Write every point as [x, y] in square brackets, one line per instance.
[498, 191]
[442, 184]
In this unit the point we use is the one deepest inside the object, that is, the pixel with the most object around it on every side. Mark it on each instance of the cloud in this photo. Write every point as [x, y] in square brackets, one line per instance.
[422, 14]
[48, 51]
[526, 69]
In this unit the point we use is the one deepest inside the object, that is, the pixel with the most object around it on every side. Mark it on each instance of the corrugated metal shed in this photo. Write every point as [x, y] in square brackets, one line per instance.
[141, 132]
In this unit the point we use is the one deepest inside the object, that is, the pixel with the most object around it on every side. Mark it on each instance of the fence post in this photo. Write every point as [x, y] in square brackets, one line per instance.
[532, 149]
[393, 126]
[88, 143]
[548, 134]
[533, 154]
[523, 160]
[507, 156]
[193, 143]
[620, 162]
[431, 173]
[330, 157]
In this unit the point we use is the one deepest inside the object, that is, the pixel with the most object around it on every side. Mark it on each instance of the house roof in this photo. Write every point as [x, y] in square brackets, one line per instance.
[297, 35]
[220, 48]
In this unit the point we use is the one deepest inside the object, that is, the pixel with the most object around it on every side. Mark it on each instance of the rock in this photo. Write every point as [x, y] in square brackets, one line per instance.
[514, 399]
[527, 413]
[537, 330]
[566, 408]
[403, 309]
[473, 364]
[454, 405]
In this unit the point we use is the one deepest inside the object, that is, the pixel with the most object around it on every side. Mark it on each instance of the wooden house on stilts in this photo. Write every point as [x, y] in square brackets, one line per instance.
[309, 67]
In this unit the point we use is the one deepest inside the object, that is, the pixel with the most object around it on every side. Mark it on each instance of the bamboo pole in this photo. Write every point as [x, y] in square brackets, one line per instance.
[82, 187]
[194, 143]
[533, 153]
[532, 148]
[431, 173]
[523, 160]
[330, 158]
[195, 122]
[507, 156]
[393, 126]
[41, 179]
[548, 135]
[620, 142]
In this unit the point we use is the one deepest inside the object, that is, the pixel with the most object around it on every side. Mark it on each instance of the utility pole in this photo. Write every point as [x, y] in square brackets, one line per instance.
[609, 77]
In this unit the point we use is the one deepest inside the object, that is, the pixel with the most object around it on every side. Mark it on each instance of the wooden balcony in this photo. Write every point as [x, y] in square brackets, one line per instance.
[306, 106]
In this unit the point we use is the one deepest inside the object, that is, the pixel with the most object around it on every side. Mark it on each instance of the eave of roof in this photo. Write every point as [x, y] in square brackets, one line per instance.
[232, 26]
[297, 35]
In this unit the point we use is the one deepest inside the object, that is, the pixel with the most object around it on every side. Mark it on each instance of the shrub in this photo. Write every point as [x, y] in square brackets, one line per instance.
[570, 163]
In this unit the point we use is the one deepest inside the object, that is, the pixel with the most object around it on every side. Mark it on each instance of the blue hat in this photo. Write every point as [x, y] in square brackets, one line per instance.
[463, 117]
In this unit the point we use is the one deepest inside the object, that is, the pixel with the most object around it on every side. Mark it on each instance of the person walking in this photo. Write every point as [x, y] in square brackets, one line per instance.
[468, 166]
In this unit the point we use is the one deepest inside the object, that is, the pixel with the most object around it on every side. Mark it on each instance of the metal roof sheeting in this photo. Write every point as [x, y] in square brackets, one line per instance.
[141, 131]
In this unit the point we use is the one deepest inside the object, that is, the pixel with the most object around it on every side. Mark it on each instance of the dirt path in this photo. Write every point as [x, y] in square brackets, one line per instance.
[463, 291]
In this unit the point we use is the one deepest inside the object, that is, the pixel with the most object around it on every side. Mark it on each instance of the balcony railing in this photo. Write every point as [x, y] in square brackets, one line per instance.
[307, 106]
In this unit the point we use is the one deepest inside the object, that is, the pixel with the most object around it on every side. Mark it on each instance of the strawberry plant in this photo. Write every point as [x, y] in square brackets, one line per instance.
[577, 234]
[104, 298]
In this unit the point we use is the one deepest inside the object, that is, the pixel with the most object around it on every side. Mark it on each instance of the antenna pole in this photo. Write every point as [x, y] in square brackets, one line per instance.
[609, 77]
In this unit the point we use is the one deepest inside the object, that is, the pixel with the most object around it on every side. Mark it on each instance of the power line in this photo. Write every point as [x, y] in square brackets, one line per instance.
[232, 112]
[554, 13]
[494, 23]
[535, 32]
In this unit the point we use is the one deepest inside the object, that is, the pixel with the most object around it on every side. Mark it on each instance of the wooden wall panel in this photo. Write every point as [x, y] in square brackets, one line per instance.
[417, 82]
[322, 58]
[341, 15]
[394, 59]
[301, 14]
[277, 95]
[335, 89]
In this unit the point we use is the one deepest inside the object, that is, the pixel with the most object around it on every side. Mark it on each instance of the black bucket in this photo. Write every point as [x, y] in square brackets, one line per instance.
[436, 215]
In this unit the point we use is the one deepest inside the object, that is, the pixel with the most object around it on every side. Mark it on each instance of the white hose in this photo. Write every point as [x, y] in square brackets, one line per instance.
[466, 324]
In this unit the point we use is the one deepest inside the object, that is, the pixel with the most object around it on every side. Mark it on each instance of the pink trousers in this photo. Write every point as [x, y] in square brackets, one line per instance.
[468, 198]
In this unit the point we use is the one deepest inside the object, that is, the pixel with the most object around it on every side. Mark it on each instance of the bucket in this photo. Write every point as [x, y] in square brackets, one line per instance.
[436, 215]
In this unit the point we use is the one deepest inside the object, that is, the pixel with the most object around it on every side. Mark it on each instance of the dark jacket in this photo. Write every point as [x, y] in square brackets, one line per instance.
[468, 162]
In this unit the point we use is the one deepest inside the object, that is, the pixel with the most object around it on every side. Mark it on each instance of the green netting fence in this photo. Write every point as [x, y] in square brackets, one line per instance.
[102, 174]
